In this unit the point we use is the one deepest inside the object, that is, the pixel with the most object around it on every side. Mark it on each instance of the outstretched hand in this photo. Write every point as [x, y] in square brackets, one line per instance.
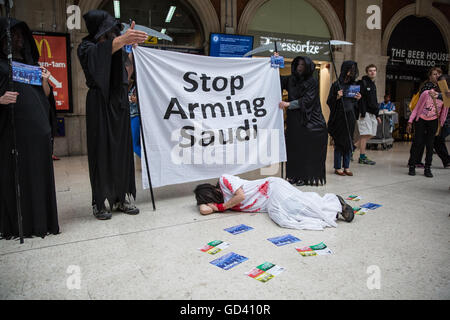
[133, 37]
[283, 105]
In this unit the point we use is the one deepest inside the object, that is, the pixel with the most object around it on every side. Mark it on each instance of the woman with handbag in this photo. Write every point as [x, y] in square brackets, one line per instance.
[428, 116]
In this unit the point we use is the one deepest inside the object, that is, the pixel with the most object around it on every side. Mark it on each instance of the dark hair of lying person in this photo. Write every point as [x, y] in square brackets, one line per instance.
[207, 193]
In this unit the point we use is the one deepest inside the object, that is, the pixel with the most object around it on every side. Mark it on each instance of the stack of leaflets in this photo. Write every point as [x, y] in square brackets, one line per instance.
[214, 247]
[265, 271]
[229, 261]
[283, 240]
[317, 250]
[277, 62]
[352, 91]
[238, 229]
[28, 74]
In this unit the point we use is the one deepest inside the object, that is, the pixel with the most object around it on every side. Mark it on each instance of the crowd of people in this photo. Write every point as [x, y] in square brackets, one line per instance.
[112, 121]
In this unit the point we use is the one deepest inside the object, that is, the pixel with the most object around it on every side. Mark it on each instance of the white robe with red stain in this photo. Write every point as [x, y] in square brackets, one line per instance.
[286, 205]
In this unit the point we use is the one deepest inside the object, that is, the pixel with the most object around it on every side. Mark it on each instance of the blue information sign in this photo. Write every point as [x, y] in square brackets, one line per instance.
[229, 45]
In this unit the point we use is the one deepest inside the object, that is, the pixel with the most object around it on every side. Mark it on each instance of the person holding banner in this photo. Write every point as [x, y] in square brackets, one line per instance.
[110, 148]
[286, 205]
[33, 142]
[307, 135]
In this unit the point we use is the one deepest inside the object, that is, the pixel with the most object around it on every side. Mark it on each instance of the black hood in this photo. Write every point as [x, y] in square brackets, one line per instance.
[29, 51]
[310, 67]
[99, 22]
[345, 68]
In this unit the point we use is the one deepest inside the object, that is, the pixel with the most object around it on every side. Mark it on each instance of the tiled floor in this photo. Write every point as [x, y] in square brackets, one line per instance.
[399, 251]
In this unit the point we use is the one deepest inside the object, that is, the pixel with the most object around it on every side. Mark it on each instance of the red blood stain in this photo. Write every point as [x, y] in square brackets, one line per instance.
[263, 189]
[227, 184]
[250, 206]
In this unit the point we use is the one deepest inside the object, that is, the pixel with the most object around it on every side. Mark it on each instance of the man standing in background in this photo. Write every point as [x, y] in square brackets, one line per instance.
[368, 112]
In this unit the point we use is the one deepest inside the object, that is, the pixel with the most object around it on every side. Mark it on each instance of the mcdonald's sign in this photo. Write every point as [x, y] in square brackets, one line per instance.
[54, 55]
[39, 46]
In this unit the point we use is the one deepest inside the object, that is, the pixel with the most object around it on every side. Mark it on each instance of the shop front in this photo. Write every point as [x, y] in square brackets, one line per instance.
[416, 45]
[176, 18]
[299, 30]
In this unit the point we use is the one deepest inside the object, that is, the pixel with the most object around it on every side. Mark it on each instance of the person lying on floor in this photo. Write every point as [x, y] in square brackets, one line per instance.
[286, 205]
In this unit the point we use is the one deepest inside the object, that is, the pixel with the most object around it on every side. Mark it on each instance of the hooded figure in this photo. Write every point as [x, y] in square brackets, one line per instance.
[306, 135]
[110, 153]
[341, 124]
[33, 141]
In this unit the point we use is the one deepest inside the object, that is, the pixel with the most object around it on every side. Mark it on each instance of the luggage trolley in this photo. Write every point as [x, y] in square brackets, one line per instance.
[384, 133]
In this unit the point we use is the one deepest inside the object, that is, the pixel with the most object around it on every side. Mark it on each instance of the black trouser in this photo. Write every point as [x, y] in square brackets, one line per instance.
[424, 137]
[441, 148]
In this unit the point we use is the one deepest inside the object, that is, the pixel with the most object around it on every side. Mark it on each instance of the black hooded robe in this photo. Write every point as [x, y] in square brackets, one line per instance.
[109, 142]
[306, 135]
[33, 136]
[341, 124]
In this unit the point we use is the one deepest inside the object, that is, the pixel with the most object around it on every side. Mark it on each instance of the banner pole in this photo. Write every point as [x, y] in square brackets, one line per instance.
[143, 139]
[15, 151]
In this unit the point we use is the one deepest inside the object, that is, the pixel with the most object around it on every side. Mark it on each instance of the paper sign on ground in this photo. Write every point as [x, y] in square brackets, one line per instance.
[284, 240]
[238, 229]
[265, 272]
[229, 261]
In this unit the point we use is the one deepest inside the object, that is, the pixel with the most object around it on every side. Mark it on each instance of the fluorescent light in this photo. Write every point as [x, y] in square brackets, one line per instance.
[117, 9]
[170, 14]
[163, 30]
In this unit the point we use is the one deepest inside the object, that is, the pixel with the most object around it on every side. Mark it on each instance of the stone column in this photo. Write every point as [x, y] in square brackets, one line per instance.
[228, 13]
[367, 40]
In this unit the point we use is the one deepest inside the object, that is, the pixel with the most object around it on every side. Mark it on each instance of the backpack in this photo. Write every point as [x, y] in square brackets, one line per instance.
[414, 101]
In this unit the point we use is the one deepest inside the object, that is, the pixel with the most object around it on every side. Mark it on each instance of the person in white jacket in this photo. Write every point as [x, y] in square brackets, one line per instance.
[286, 205]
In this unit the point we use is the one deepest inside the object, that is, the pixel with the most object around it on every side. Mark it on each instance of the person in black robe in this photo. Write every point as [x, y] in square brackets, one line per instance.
[343, 110]
[306, 134]
[33, 142]
[110, 148]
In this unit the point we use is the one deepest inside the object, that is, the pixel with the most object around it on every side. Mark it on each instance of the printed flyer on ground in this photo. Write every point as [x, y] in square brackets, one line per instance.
[214, 247]
[229, 261]
[265, 272]
[318, 250]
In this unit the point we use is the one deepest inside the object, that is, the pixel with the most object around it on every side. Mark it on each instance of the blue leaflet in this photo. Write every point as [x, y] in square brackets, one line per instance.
[283, 240]
[238, 229]
[27, 74]
[229, 261]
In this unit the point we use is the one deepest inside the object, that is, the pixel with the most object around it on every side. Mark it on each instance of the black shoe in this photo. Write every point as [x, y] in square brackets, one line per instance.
[347, 211]
[427, 172]
[412, 170]
[300, 183]
[420, 165]
[102, 214]
[128, 208]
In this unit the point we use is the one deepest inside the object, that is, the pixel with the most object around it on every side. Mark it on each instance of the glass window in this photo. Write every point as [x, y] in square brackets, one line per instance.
[174, 18]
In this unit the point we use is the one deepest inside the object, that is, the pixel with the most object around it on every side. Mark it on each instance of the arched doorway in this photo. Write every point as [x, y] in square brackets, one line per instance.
[176, 18]
[415, 46]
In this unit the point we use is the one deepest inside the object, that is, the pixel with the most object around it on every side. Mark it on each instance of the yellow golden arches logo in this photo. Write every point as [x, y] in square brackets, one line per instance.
[39, 47]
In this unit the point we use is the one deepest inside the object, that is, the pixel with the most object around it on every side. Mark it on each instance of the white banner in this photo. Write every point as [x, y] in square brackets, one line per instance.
[204, 116]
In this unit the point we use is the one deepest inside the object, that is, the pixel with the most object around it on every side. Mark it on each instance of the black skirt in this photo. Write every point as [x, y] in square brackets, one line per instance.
[307, 154]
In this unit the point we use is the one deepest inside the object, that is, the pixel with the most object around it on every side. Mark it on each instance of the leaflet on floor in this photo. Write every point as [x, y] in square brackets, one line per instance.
[265, 272]
[214, 247]
[238, 229]
[229, 261]
[284, 240]
[318, 250]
